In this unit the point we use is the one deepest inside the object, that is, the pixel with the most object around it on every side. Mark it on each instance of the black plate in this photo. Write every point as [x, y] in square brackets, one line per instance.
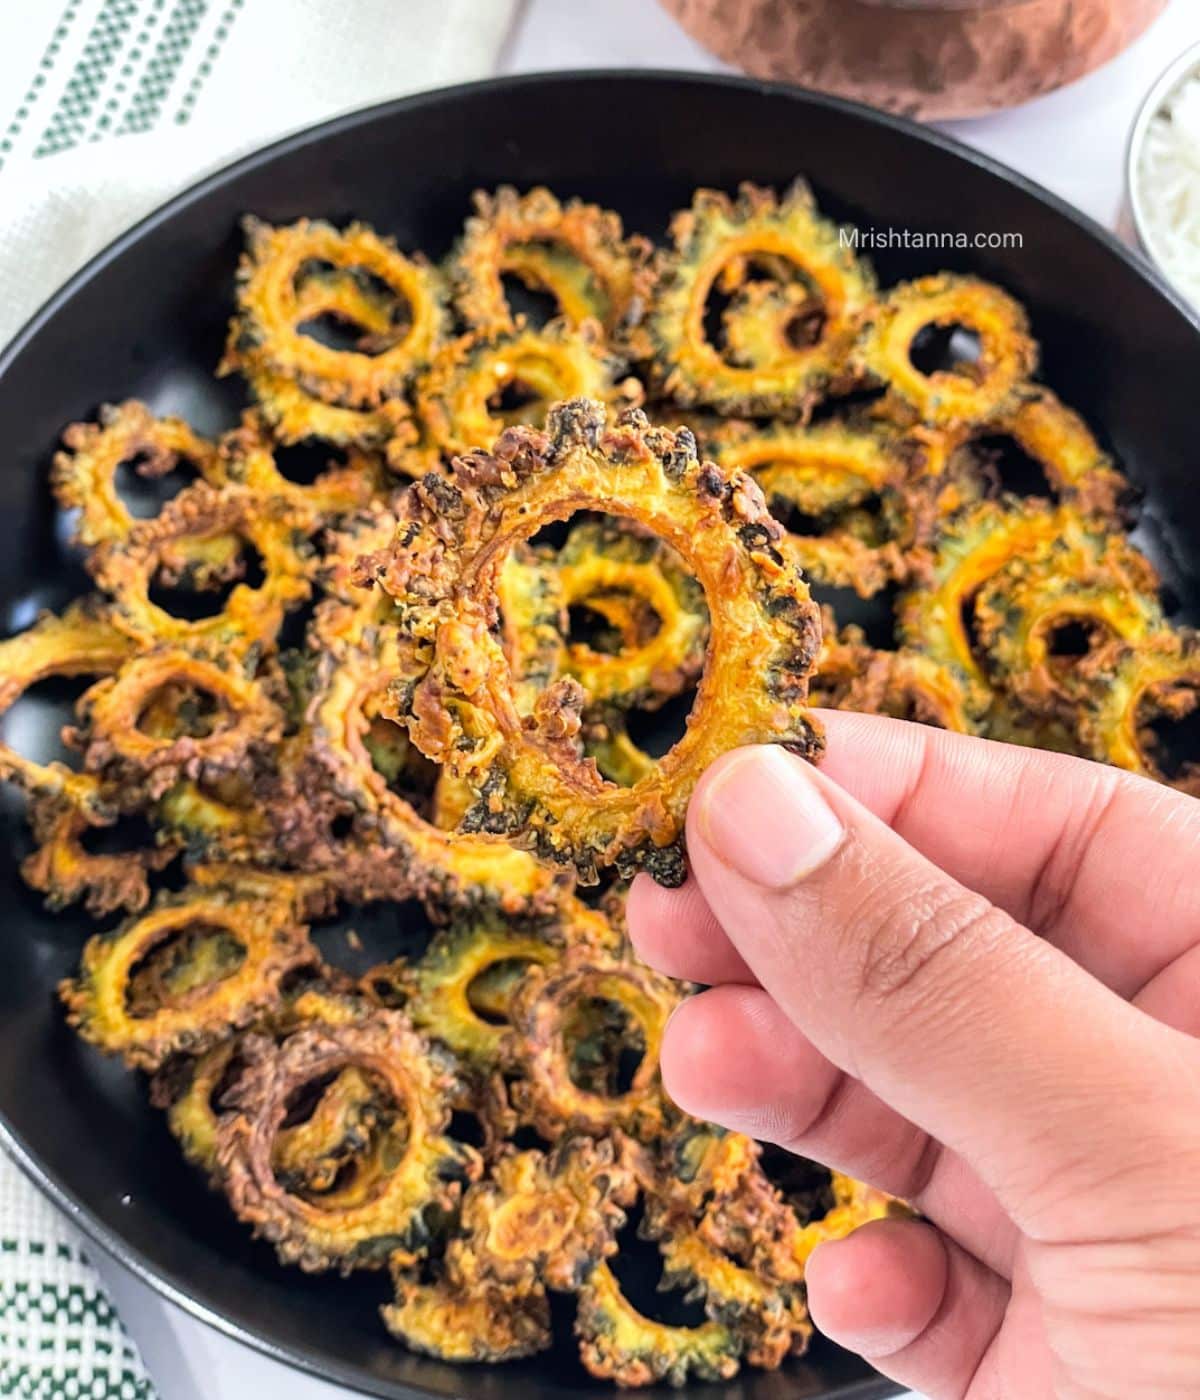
[147, 318]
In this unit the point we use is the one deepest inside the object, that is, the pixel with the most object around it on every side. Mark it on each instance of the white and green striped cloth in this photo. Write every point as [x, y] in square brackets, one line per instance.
[107, 108]
[59, 1337]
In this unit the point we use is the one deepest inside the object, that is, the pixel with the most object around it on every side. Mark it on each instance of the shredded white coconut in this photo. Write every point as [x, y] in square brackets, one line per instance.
[1169, 186]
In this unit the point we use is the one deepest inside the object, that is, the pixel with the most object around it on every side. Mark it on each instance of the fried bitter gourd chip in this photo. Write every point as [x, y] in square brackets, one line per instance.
[619, 1343]
[819, 480]
[1078, 470]
[781, 1253]
[296, 416]
[533, 784]
[460, 400]
[168, 714]
[81, 641]
[268, 329]
[84, 475]
[64, 806]
[972, 389]
[344, 721]
[484, 955]
[606, 567]
[973, 546]
[576, 252]
[543, 1219]
[1127, 688]
[713, 1183]
[475, 1325]
[1022, 613]
[903, 684]
[573, 1023]
[161, 551]
[716, 243]
[189, 1089]
[770, 1319]
[817, 468]
[394, 1195]
[766, 321]
[246, 457]
[65, 869]
[180, 976]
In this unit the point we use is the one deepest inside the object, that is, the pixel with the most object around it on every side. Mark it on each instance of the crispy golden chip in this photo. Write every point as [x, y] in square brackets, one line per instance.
[618, 1343]
[182, 975]
[162, 550]
[716, 243]
[406, 1176]
[979, 542]
[466, 1325]
[533, 785]
[460, 402]
[272, 310]
[84, 474]
[460, 990]
[543, 1221]
[246, 457]
[1127, 687]
[972, 389]
[576, 252]
[573, 1025]
[168, 715]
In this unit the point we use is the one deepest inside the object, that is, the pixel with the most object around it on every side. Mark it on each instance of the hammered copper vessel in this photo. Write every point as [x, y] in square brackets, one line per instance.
[923, 58]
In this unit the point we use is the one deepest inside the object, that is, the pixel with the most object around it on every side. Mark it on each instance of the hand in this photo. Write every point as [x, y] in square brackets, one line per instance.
[879, 1001]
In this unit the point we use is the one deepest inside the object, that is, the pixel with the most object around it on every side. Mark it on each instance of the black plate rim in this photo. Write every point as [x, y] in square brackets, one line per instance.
[10, 1139]
[1130, 256]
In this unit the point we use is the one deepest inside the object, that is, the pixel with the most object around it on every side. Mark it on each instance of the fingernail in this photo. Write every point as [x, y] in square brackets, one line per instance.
[765, 817]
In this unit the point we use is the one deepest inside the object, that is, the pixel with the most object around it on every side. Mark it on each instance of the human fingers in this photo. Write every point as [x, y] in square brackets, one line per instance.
[1095, 860]
[993, 1042]
[676, 932]
[919, 1308]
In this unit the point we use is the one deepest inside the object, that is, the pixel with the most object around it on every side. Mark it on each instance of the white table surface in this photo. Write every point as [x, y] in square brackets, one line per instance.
[1073, 141]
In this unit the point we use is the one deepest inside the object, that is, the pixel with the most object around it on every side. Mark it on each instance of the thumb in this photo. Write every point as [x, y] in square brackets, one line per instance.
[985, 1036]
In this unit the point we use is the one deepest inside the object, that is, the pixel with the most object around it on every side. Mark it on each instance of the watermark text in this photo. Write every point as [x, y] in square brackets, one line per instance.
[873, 239]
